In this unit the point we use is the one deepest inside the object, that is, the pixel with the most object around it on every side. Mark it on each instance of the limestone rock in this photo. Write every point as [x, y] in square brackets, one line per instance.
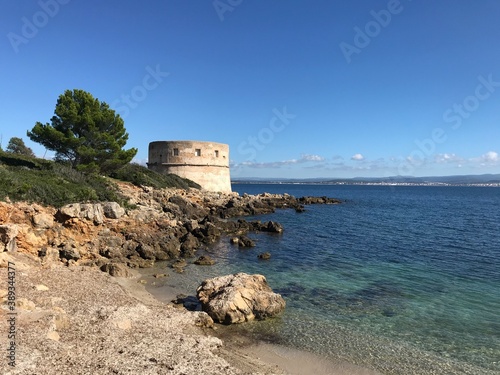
[179, 265]
[49, 255]
[203, 320]
[189, 245]
[264, 256]
[43, 221]
[239, 298]
[274, 227]
[113, 210]
[69, 251]
[204, 260]
[186, 207]
[244, 241]
[116, 270]
[8, 233]
[88, 211]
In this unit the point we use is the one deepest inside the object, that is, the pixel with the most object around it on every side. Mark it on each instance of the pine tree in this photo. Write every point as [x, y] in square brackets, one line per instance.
[86, 133]
[16, 146]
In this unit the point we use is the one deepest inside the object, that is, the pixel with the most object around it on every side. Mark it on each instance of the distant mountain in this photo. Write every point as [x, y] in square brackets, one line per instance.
[431, 180]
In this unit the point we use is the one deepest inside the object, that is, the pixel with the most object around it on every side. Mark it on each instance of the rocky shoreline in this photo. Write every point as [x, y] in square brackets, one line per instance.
[162, 225]
[74, 318]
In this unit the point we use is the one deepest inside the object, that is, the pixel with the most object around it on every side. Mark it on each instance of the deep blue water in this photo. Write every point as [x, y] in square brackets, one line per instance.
[405, 280]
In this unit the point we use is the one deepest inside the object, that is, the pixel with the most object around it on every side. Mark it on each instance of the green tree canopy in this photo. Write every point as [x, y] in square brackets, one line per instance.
[86, 133]
[16, 146]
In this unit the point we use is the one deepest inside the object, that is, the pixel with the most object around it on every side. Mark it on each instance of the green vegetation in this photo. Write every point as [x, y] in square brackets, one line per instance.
[16, 146]
[25, 178]
[139, 175]
[88, 138]
[86, 133]
[35, 180]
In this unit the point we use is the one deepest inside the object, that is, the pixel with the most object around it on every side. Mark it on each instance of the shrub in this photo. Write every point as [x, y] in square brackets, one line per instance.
[140, 175]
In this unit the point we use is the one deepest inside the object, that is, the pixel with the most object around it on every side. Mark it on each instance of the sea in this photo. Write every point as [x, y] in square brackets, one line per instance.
[398, 279]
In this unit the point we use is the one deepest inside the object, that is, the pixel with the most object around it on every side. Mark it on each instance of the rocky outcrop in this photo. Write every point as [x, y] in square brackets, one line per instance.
[239, 298]
[165, 224]
[113, 210]
[95, 212]
[116, 270]
[88, 211]
[244, 241]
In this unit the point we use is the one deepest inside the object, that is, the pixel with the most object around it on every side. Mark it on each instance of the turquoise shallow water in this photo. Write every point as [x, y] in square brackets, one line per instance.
[405, 280]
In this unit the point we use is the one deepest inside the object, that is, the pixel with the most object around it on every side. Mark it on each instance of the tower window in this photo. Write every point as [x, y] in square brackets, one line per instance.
[175, 152]
[216, 153]
[197, 152]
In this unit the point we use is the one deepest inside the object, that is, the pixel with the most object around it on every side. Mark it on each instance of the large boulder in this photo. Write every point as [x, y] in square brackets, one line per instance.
[95, 212]
[244, 241]
[88, 211]
[239, 298]
[113, 210]
[43, 220]
[116, 269]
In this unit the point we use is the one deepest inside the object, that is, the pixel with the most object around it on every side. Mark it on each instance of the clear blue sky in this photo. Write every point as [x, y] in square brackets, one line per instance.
[296, 88]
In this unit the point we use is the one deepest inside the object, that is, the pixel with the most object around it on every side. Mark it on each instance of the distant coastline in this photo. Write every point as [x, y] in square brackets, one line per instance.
[493, 184]
[487, 180]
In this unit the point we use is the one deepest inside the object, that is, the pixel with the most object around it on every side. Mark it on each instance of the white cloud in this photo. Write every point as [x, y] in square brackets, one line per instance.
[490, 157]
[304, 158]
[357, 157]
[307, 157]
[447, 158]
[141, 161]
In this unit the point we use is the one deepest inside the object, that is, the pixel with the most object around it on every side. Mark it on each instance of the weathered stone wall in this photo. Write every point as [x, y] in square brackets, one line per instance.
[206, 163]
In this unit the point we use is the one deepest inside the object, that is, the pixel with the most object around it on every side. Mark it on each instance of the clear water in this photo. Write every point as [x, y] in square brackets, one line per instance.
[404, 280]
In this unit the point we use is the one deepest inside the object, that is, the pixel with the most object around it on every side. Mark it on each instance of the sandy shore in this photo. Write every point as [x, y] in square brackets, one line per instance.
[239, 346]
[79, 320]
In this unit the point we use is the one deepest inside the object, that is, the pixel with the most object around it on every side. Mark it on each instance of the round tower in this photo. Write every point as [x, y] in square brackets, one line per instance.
[206, 163]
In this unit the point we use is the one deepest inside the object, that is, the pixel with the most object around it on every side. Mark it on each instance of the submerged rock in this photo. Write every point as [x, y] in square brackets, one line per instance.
[204, 260]
[239, 298]
[273, 227]
[244, 241]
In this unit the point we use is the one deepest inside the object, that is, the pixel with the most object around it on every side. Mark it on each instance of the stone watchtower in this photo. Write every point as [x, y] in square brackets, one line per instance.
[206, 163]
